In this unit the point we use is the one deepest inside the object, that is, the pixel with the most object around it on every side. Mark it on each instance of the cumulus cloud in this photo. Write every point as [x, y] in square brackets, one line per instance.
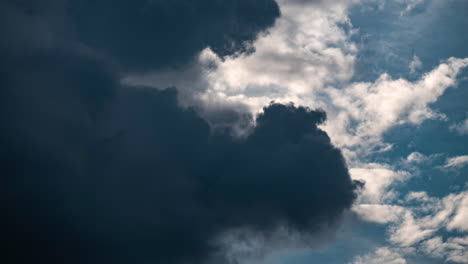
[155, 171]
[158, 172]
[95, 171]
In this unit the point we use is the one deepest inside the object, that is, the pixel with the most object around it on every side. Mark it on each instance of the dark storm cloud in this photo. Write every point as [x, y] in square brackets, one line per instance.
[96, 172]
[142, 33]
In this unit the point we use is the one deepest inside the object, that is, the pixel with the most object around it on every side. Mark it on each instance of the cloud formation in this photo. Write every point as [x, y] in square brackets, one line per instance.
[419, 222]
[95, 171]
[454, 249]
[305, 51]
[310, 58]
[376, 107]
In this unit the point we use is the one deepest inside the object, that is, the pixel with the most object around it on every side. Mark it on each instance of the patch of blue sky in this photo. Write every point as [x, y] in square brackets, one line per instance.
[389, 40]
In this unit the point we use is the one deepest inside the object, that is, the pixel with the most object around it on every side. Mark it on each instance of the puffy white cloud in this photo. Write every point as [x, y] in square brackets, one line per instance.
[382, 255]
[378, 179]
[456, 162]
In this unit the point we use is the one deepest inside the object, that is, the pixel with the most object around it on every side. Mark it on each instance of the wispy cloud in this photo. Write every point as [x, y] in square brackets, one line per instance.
[415, 64]
[456, 162]
[382, 255]
[461, 128]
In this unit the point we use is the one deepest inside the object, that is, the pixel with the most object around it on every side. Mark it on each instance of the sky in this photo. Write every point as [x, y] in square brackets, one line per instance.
[241, 131]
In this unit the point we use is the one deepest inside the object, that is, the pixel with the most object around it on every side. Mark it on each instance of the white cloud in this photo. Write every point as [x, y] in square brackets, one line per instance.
[418, 197]
[416, 157]
[382, 255]
[455, 249]
[410, 5]
[376, 107]
[378, 179]
[415, 225]
[460, 219]
[433, 247]
[429, 216]
[456, 162]
[409, 231]
[379, 213]
[461, 128]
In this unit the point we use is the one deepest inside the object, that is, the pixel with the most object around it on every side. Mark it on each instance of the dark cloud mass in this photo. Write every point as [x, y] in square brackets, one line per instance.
[96, 172]
[162, 33]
